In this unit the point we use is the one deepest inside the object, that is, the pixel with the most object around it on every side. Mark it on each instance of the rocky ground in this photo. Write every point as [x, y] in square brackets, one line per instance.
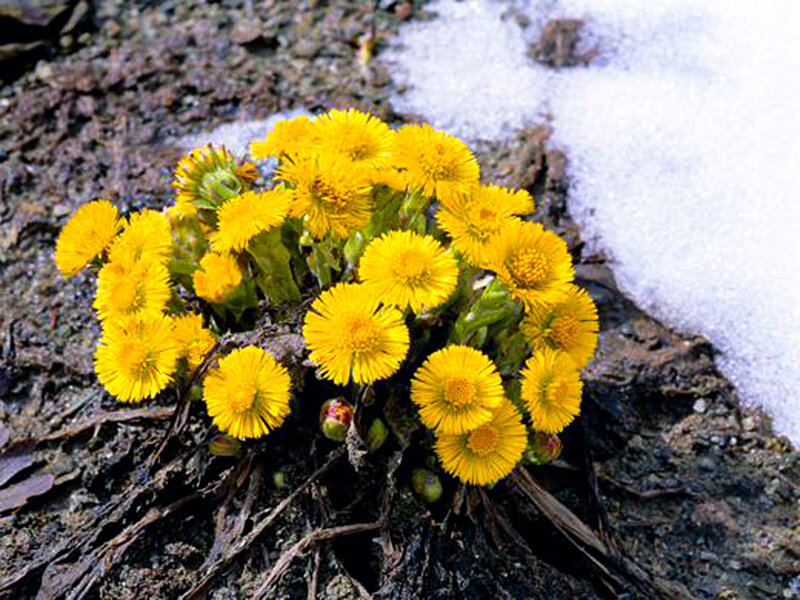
[668, 487]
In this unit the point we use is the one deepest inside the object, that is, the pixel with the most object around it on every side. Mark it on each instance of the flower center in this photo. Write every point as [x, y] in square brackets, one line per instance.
[483, 224]
[412, 268]
[124, 298]
[528, 267]
[557, 392]
[483, 440]
[361, 335]
[329, 195]
[459, 391]
[564, 330]
[135, 357]
[242, 397]
[437, 164]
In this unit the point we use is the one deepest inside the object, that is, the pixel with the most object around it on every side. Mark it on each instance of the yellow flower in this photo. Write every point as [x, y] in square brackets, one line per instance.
[146, 237]
[245, 216]
[128, 287]
[569, 325]
[136, 356]
[207, 176]
[290, 137]
[194, 341]
[247, 395]
[533, 262]
[217, 278]
[456, 389]
[551, 390]
[435, 162]
[488, 453]
[87, 233]
[472, 221]
[359, 136]
[408, 269]
[350, 334]
[391, 178]
[332, 192]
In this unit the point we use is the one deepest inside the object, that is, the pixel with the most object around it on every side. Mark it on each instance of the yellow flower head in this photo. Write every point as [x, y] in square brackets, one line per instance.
[207, 176]
[136, 356]
[488, 453]
[290, 137]
[332, 192]
[146, 237]
[472, 221]
[247, 395]
[390, 177]
[360, 137]
[569, 325]
[350, 334]
[245, 216]
[87, 233]
[435, 162]
[194, 341]
[456, 389]
[551, 390]
[408, 269]
[217, 278]
[129, 287]
[533, 262]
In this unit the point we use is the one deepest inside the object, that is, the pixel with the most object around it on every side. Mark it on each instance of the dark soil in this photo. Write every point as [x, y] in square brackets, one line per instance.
[683, 491]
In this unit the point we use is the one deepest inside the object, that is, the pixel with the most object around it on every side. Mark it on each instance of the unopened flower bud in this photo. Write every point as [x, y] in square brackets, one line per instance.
[426, 485]
[223, 445]
[542, 448]
[376, 435]
[334, 419]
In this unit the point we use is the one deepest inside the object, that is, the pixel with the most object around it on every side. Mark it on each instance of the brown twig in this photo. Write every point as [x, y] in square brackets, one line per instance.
[234, 550]
[315, 536]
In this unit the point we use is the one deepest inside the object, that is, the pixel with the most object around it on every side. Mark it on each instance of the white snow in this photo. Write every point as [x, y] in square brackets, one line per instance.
[683, 153]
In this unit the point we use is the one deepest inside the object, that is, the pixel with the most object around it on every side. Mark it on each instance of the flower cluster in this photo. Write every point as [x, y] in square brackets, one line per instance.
[423, 283]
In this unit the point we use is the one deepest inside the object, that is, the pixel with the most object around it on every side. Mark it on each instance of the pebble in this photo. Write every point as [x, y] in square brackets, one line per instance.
[699, 406]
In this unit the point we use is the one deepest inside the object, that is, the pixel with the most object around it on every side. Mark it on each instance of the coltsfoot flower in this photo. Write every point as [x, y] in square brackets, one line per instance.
[129, 287]
[86, 235]
[408, 269]
[287, 138]
[241, 218]
[194, 341]
[247, 394]
[335, 417]
[533, 262]
[486, 454]
[435, 162]
[569, 325]
[551, 390]
[456, 389]
[359, 136]
[352, 335]
[147, 237]
[136, 356]
[217, 278]
[208, 176]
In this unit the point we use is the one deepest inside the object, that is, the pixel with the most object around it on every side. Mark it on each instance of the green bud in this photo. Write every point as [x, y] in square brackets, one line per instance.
[376, 435]
[426, 485]
[542, 448]
[334, 419]
[223, 445]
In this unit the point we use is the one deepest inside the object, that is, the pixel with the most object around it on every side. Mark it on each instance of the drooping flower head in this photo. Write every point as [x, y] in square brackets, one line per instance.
[86, 235]
[147, 237]
[245, 216]
[489, 452]
[435, 162]
[287, 138]
[207, 176]
[351, 334]
[359, 136]
[473, 220]
[128, 287]
[551, 390]
[533, 262]
[217, 278]
[193, 340]
[456, 389]
[330, 191]
[569, 325]
[405, 268]
[247, 394]
[136, 356]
